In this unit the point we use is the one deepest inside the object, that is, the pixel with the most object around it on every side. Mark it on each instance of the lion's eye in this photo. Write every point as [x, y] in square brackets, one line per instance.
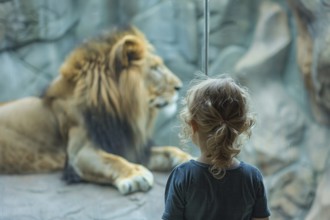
[157, 73]
[157, 69]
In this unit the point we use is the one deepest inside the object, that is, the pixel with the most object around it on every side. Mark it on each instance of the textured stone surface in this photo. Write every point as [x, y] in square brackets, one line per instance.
[278, 50]
[46, 197]
[313, 53]
[24, 21]
[321, 206]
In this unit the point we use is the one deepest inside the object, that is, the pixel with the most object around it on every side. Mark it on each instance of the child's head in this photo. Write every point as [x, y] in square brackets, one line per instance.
[219, 108]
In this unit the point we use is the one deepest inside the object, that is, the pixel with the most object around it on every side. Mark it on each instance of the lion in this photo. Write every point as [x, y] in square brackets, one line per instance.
[95, 120]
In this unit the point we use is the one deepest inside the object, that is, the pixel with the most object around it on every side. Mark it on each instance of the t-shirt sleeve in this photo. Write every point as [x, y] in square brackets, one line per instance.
[174, 197]
[260, 209]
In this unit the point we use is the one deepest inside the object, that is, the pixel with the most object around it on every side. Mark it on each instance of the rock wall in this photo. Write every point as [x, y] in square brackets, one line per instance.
[278, 49]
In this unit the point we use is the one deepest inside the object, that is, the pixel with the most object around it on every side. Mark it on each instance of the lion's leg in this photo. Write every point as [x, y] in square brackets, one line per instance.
[166, 158]
[95, 165]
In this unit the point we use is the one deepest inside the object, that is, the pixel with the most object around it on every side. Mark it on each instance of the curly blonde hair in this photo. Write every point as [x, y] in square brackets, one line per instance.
[219, 106]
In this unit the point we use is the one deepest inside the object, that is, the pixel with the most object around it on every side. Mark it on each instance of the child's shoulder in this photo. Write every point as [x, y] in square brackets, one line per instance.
[250, 169]
[184, 165]
[248, 166]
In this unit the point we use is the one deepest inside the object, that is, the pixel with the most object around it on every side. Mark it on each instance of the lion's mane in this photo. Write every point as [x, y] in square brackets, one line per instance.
[109, 90]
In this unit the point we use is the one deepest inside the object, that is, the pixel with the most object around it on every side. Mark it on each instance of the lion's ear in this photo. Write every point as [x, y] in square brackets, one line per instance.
[127, 50]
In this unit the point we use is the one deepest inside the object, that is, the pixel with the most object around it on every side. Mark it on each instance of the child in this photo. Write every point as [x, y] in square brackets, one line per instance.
[216, 186]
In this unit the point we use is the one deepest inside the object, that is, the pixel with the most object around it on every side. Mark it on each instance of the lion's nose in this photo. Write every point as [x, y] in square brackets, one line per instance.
[177, 88]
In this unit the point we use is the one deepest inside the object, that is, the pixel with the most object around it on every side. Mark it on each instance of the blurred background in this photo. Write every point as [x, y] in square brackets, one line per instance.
[279, 49]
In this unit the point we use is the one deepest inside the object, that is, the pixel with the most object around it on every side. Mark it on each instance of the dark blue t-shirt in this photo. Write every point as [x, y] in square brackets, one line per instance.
[192, 193]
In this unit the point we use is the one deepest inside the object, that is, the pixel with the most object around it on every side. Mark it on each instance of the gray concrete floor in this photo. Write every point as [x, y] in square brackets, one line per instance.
[47, 197]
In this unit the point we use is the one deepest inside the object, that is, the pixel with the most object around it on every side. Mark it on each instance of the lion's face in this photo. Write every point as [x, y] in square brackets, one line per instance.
[162, 84]
[143, 74]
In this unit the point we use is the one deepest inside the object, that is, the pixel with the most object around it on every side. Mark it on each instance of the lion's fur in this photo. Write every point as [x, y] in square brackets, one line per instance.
[106, 98]
[108, 87]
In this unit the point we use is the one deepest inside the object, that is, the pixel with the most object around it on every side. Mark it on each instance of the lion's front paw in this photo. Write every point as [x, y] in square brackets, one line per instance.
[138, 179]
[166, 158]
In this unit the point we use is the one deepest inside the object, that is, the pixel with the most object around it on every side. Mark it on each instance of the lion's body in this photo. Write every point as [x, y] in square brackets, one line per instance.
[96, 118]
[32, 143]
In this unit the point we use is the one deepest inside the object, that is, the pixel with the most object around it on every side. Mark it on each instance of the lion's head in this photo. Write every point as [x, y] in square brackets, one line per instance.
[119, 83]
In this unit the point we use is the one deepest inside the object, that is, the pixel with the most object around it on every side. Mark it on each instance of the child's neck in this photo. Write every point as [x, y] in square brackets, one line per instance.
[204, 159]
